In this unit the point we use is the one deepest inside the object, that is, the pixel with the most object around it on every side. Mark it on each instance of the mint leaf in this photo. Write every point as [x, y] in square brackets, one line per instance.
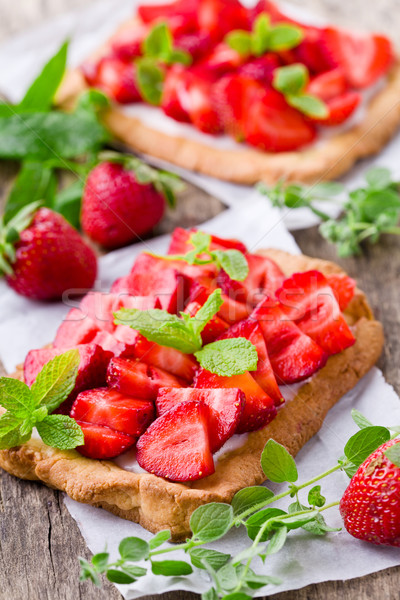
[360, 420]
[213, 558]
[67, 202]
[378, 178]
[248, 497]
[134, 571]
[309, 105]
[284, 36]
[120, 577]
[14, 438]
[56, 380]
[8, 422]
[60, 431]
[160, 538]
[210, 595]
[255, 581]
[291, 79]
[171, 568]
[348, 467]
[207, 311]
[277, 541]
[16, 397]
[277, 464]
[228, 357]
[261, 34]
[364, 442]
[201, 241]
[211, 521]
[233, 262]
[88, 572]
[393, 454]
[315, 498]
[150, 79]
[35, 181]
[100, 561]
[158, 43]
[240, 41]
[256, 521]
[133, 549]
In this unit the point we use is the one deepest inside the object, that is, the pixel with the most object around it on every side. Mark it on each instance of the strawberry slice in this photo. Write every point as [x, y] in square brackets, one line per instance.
[294, 355]
[264, 278]
[180, 243]
[138, 379]
[259, 408]
[197, 44]
[176, 445]
[168, 359]
[341, 108]
[117, 78]
[274, 126]
[174, 96]
[226, 407]
[343, 287]
[180, 15]
[109, 343]
[119, 412]
[230, 311]
[213, 329]
[264, 375]
[364, 57]
[223, 59]
[261, 69]
[307, 299]
[127, 43]
[77, 328]
[100, 307]
[328, 85]
[102, 442]
[219, 17]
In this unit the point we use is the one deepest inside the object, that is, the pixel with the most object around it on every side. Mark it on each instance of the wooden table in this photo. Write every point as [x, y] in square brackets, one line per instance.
[39, 540]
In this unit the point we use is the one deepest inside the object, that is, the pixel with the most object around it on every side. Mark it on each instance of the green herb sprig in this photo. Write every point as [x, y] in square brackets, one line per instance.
[267, 527]
[292, 82]
[27, 408]
[368, 212]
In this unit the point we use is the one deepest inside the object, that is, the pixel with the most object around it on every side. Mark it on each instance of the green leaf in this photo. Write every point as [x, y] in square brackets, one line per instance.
[291, 79]
[255, 581]
[215, 559]
[68, 202]
[277, 541]
[379, 202]
[315, 498]
[210, 595]
[8, 423]
[171, 568]
[326, 189]
[133, 549]
[293, 521]
[227, 577]
[14, 438]
[207, 311]
[177, 55]
[261, 34]
[236, 596]
[120, 577]
[364, 442]
[393, 454]
[211, 521]
[160, 538]
[309, 105]
[378, 178]
[56, 380]
[233, 262]
[201, 241]
[348, 467]
[360, 420]
[88, 572]
[248, 497]
[256, 521]
[277, 464]
[240, 41]
[134, 571]
[16, 397]
[60, 431]
[100, 561]
[40, 95]
[34, 182]
[150, 79]
[158, 43]
[228, 357]
[284, 37]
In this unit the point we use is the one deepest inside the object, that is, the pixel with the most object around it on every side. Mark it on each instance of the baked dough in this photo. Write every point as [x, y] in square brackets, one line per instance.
[159, 504]
[324, 160]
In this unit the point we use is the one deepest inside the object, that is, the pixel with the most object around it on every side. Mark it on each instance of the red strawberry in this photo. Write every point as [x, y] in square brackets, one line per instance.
[260, 69]
[127, 44]
[341, 108]
[197, 44]
[112, 409]
[214, 328]
[200, 106]
[370, 506]
[138, 379]
[50, 256]
[174, 95]
[307, 299]
[264, 375]
[226, 407]
[168, 359]
[364, 57]
[230, 311]
[343, 287]
[102, 442]
[91, 372]
[259, 408]
[264, 278]
[77, 328]
[176, 445]
[117, 78]
[180, 243]
[294, 356]
[99, 308]
[116, 208]
[180, 15]
[274, 126]
[223, 59]
[328, 85]
[111, 344]
[219, 17]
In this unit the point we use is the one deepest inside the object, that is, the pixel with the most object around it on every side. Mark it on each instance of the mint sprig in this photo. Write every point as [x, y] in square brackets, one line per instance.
[228, 357]
[28, 408]
[292, 81]
[265, 37]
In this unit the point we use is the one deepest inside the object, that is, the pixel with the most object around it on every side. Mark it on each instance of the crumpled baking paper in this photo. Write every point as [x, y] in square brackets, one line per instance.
[304, 559]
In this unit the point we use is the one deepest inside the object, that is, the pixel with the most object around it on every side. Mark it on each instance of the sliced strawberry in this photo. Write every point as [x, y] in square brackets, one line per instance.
[226, 407]
[100, 307]
[294, 355]
[102, 442]
[341, 108]
[127, 44]
[180, 243]
[200, 106]
[180, 15]
[264, 374]
[112, 409]
[117, 79]
[343, 287]
[328, 85]
[259, 408]
[264, 278]
[307, 299]
[91, 371]
[364, 57]
[310, 52]
[213, 329]
[138, 379]
[261, 69]
[77, 328]
[168, 359]
[230, 311]
[176, 445]
[219, 17]
[174, 101]
[110, 343]
[223, 59]
[197, 44]
[274, 126]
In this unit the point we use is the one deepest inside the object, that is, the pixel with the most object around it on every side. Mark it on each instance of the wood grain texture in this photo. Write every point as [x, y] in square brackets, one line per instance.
[39, 540]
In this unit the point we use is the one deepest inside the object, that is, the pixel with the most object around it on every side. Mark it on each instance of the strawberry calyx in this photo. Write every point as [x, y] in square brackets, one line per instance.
[10, 234]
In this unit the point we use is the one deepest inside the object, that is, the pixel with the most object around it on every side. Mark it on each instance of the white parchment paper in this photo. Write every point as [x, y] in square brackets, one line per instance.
[304, 560]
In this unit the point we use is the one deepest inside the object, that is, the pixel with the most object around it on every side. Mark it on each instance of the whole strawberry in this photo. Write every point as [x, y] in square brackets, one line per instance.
[370, 506]
[42, 255]
[123, 200]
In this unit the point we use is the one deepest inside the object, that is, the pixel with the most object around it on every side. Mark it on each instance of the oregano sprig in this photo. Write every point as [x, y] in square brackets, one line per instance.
[292, 82]
[28, 408]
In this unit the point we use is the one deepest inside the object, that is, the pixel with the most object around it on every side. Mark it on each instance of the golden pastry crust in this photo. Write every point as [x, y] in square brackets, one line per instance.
[158, 504]
[326, 159]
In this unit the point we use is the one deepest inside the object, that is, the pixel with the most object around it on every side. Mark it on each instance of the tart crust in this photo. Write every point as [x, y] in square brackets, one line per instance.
[156, 503]
[324, 160]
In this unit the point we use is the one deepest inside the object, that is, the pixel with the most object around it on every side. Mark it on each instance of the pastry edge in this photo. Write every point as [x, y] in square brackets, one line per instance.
[158, 504]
